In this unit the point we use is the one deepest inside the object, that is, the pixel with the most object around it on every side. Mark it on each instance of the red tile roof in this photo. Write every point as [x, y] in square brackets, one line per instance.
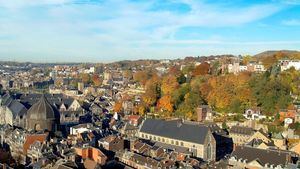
[31, 138]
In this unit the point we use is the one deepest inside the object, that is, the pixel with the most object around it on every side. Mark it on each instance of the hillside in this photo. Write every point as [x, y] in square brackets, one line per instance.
[286, 53]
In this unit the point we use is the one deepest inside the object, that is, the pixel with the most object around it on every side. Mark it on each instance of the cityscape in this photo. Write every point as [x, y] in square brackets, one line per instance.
[121, 84]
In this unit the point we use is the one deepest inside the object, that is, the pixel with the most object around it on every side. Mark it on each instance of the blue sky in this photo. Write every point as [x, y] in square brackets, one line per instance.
[110, 30]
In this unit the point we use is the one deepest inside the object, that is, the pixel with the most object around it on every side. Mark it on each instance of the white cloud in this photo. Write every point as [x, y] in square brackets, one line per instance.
[291, 22]
[113, 27]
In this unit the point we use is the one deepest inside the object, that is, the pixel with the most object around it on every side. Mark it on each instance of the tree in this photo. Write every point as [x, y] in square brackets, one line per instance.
[140, 109]
[174, 70]
[269, 61]
[246, 59]
[165, 104]
[202, 69]
[216, 68]
[230, 93]
[178, 95]
[152, 92]
[169, 85]
[127, 74]
[96, 80]
[85, 78]
[188, 69]
[224, 125]
[141, 77]
[181, 78]
[271, 93]
[118, 107]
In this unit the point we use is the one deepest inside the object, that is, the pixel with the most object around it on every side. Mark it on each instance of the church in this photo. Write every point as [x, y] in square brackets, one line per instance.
[178, 134]
[42, 116]
[40, 111]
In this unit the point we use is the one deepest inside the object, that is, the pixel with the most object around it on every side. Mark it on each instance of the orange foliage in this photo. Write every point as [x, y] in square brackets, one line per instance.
[202, 69]
[169, 84]
[141, 77]
[118, 107]
[165, 103]
[96, 80]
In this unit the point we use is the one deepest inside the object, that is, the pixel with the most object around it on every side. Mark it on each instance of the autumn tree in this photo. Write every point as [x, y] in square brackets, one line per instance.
[269, 61]
[140, 110]
[141, 77]
[174, 70]
[230, 93]
[169, 84]
[165, 104]
[202, 69]
[152, 92]
[216, 68]
[246, 59]
[85, 78]
[97, 81]
[188, 69]
[127, 74]
[118, 106]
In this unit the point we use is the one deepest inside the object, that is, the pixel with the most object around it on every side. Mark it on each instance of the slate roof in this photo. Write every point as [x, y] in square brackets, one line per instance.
[176, 130]
[54, 99]
[14, 106]
[275, 157]
[241, 130]
[41, 110]
[257, 142]
[17, 108]
[6, 99]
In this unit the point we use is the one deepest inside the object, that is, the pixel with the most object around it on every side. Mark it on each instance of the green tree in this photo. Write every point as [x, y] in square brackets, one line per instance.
[271, 93]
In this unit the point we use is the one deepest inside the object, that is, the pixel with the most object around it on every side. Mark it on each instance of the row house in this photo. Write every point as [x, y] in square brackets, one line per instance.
[249, 157]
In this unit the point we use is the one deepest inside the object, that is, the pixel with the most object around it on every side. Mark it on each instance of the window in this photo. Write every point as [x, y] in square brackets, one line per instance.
[154, 138]
[172, 141]
[150, 137]
[177, 143]
[158, 138]
[181, 143]
[146, 136]
[143, 135]
[163, 140]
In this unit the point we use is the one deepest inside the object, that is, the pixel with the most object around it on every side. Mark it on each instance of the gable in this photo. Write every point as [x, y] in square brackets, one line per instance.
[259, 135]
[263, 146]
[75, 105]
[255, 163]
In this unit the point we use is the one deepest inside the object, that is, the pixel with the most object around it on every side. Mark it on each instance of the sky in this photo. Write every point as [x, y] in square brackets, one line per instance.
[111, 30]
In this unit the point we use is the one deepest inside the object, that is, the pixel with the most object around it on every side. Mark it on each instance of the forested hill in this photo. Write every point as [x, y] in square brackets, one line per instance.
[287, 53]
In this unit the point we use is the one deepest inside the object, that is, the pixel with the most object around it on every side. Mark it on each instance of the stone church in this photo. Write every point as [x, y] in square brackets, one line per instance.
[42, 116]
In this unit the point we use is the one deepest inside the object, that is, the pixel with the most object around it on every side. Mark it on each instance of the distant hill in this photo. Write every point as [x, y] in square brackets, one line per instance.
[270, 53]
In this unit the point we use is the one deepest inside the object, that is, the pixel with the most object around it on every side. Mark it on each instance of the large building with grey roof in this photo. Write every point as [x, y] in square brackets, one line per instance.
[12, 111]
[16, 109]
[250, 157]
[197, 138]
